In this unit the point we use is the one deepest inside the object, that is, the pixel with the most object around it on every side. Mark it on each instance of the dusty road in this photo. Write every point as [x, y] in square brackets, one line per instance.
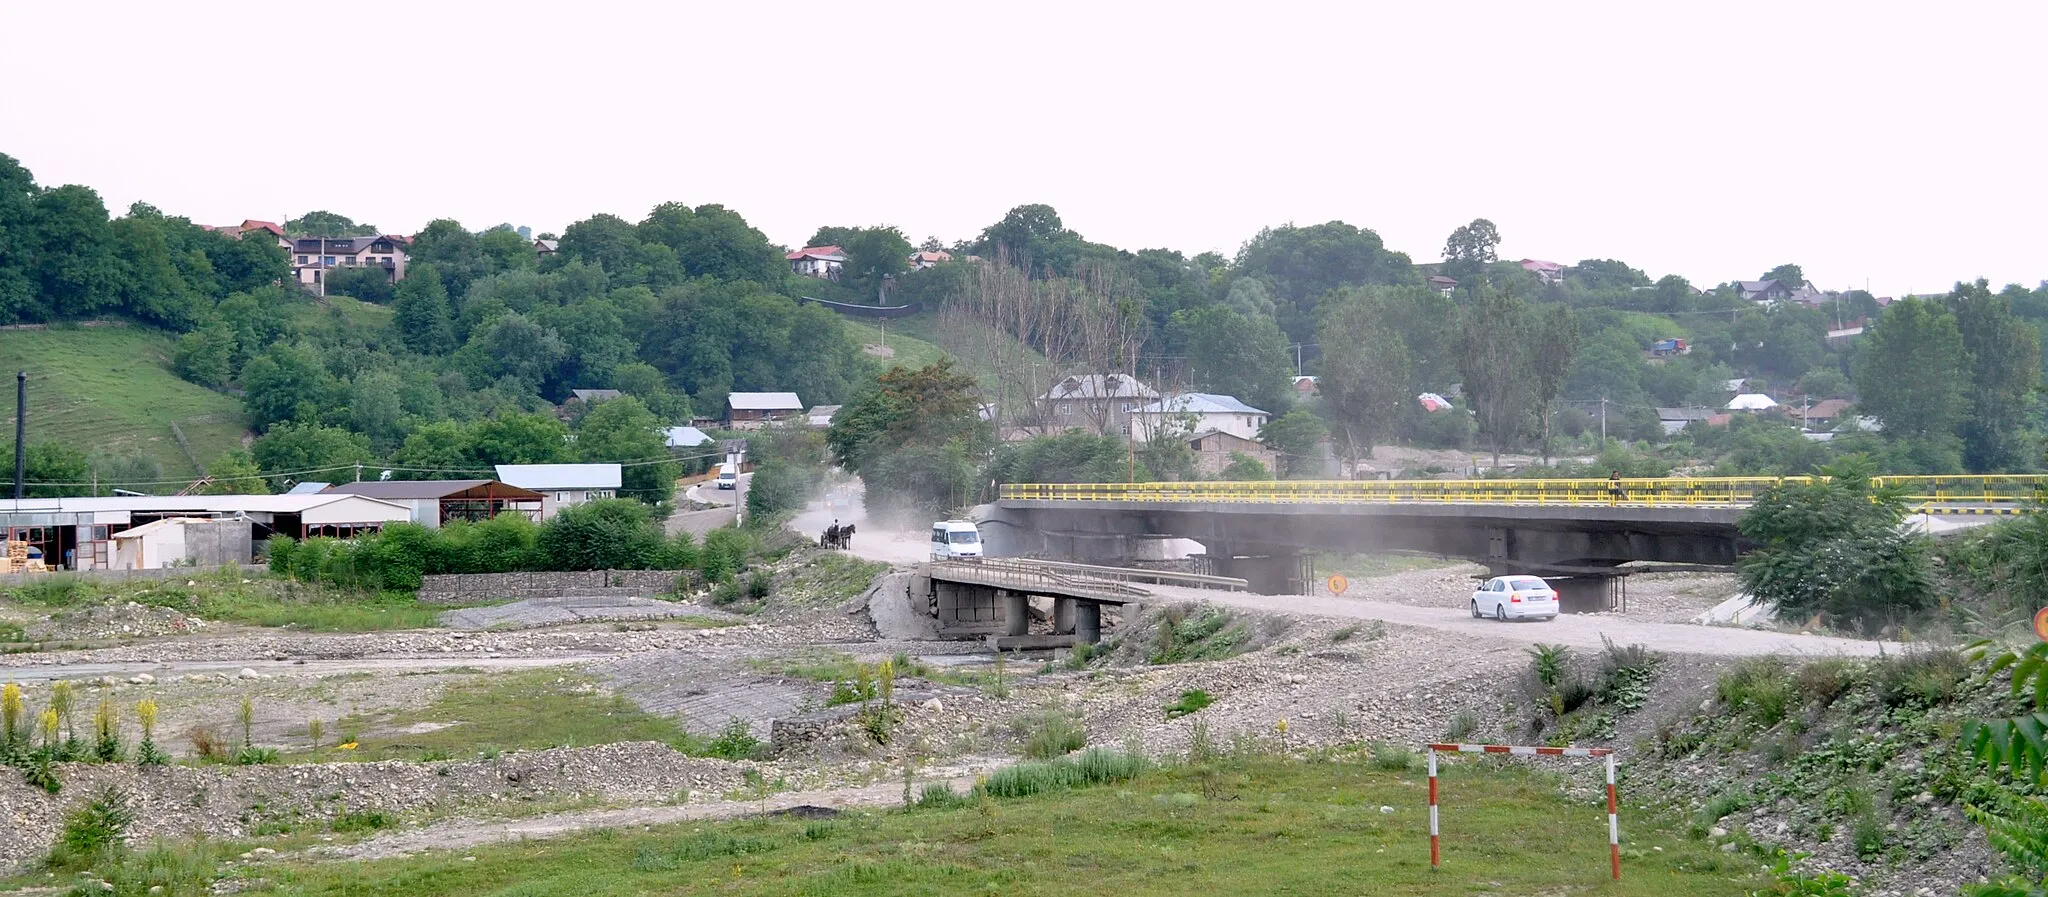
[1583, 631]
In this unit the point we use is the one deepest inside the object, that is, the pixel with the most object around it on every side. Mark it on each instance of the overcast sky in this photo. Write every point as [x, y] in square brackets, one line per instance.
[1894, 144]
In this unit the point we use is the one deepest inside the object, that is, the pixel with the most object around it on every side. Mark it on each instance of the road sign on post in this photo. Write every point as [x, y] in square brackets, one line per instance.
[1338, 584]
[2041, 624]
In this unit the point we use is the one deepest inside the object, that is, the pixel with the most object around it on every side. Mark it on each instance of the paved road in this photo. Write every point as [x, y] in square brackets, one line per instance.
[1582, 631]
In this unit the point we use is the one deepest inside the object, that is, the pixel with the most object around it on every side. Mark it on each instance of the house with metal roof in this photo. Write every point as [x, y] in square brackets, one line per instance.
[563, 485]
[1105, 403]
[435, 502]
[686, 437]
[823, 262]
[77, 532]
[754, 410]
[1198, 412]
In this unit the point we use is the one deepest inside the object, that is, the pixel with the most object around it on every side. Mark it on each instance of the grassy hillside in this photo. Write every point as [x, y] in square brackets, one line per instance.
[346, 310]
[921, 339]
[110, 390]
[906, 350]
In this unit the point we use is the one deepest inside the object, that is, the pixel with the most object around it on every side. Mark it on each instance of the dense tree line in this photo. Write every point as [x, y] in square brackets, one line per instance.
[688, 304]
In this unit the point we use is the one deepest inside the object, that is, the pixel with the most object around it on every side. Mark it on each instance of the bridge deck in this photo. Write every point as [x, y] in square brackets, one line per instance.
[1035, 579]
[1964, 495]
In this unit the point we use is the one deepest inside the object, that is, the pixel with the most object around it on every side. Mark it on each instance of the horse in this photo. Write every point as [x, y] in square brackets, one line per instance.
[830, 538]
[846, 536]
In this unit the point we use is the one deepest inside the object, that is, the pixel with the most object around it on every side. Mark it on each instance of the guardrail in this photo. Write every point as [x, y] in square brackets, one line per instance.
[1139, 574]
[1995, 490]
[1026, 576]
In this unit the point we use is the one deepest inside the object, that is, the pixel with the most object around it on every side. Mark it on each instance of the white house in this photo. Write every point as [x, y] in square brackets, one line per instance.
[1204, 412]
[817, 261]
[563, 485]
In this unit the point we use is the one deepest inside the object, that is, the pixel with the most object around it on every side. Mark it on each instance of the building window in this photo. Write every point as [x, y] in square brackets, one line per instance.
[1128, 407]
[1066, 410]
[302, 260]
[327, 260]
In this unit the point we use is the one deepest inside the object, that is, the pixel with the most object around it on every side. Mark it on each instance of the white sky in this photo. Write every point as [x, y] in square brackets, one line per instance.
[1888, 143]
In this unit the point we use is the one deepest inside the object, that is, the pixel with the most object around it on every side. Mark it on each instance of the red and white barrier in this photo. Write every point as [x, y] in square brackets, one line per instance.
[1613, 803]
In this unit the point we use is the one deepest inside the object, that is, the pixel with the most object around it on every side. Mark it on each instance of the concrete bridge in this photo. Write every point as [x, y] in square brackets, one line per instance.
[1572, 531]
[991, 597]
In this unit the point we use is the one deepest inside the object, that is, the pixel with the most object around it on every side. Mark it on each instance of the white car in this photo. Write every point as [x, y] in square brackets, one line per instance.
[1515, 598]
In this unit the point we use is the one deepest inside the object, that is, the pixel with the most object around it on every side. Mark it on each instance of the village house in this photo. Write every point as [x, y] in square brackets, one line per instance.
[1822, 413]
[544, 248]
[1548, 272]
[685, 437]
[1675, 419]
[1104, 403]
[251, 226]
[1752, 402]
[820, 416]
[823, 262]
[1443, 285]
[755, 410]
[1200, 412]
[1306, 385]
[923, 259]
[563, 485]
[1213, 449]
[1763, 292]
[312, 257]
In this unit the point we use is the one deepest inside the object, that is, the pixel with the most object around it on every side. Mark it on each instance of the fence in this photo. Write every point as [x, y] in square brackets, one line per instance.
[20, 579]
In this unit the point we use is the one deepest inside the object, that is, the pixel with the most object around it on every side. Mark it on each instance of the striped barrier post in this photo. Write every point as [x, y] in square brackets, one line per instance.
[1613, 803]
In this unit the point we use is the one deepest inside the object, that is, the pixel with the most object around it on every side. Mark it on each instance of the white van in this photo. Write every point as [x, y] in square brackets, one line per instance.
[955, 539]
[728, 476]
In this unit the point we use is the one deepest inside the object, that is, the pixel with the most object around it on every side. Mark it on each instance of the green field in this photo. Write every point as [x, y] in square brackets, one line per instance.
[110, 390]
[348, 311]
[1261, 826]
[910, 351]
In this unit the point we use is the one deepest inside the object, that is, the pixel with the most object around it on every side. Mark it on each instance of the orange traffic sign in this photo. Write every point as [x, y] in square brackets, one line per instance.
[2041, 624]
[1338, 584]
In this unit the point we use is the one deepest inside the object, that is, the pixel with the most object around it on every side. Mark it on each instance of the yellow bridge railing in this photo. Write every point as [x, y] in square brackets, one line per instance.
[1997, 493]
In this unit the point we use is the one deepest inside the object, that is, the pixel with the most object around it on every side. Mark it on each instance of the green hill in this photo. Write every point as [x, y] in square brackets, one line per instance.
[110, 390]
[921, 339]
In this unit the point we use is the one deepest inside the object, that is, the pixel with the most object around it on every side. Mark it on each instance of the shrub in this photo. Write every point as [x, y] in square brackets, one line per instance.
[725, 553]
[607, 534]
[1925, 678]
[361, 821]
[1462, 726]
[1192, 700]
[207, 744]
[1098, 766]
[1549, 663]
[1759, 688]
[1822, 682]
[735, 742]
[940, 796]
[1052, 733]
[92, 832]
[1389, 756]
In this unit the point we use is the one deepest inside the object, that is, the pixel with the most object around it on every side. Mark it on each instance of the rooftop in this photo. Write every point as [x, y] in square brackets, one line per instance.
[555, 477]
[764, 401]
[1100, 386]
[686, 437]
[1199, 403]
[823, 253]
[410, 490]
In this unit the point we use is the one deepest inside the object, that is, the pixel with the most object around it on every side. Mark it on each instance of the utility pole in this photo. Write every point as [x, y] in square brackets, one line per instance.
[20, 432]
[359, 471]
[1603, 423]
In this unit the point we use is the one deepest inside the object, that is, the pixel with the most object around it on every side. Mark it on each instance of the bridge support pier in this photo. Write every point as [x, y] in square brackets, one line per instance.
[1016, 612]
[1063, 614]
[1087, 623]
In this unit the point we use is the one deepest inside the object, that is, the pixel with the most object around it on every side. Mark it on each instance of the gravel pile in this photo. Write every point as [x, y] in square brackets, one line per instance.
[111, 621]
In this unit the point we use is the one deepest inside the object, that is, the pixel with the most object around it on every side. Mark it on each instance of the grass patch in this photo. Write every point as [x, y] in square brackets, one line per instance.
[503, 711]
[110, 389]
[1210, 633]
[910, 351]
[1760, 689]
[1259, 827]
[1191, 701]
[1051, 733]
[235, 597]
[828, 577]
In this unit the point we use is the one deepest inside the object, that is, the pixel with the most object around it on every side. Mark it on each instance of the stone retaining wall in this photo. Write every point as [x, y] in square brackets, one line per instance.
[463, 588]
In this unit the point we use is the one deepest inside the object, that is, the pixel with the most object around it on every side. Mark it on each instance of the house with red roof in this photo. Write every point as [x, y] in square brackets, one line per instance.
[823, 262]
[1548, 272]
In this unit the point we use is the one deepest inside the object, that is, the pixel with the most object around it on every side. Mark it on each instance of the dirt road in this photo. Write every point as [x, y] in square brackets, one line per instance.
[1582, 631]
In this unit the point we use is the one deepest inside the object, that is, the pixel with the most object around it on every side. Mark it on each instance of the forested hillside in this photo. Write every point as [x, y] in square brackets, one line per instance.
[470, 359]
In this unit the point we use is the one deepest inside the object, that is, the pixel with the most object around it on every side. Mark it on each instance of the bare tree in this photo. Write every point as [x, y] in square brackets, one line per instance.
[1036, 336]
